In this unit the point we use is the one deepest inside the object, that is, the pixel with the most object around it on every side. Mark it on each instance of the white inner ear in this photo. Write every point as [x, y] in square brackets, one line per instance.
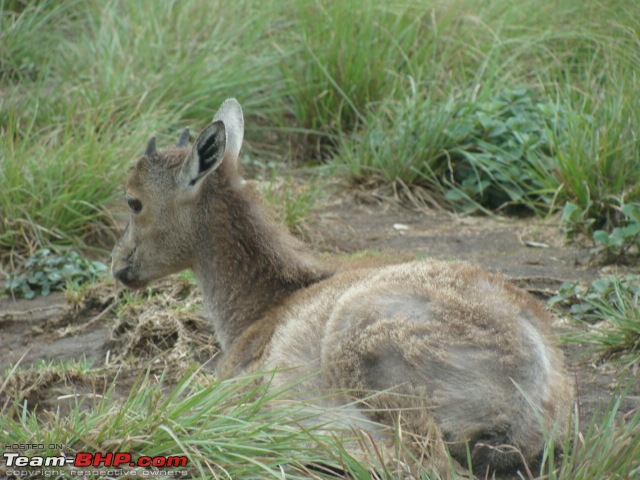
[189, 170]
[231, 115]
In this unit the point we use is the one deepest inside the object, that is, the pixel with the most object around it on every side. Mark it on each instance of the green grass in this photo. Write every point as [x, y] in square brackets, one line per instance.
[608, 316]
[237, 429]
[608, 446]
[229, 429]
[598, 155]
[544, 111]
[342, 57]
[390, 90]
[292, 200]
[402, 141]
[84, 84]
[487, 154]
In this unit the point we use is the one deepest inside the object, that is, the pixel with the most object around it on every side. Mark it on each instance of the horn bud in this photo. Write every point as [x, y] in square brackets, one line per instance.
[151, 150]
[183, 141]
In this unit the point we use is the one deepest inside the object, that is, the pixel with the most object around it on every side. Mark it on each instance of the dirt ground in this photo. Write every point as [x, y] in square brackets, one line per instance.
[530, 252]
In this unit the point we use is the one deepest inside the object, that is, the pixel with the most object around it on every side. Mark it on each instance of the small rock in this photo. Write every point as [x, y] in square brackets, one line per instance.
[400, 226]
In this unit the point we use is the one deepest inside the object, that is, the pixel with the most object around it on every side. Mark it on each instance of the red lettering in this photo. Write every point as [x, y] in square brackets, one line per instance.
[106, 460]
[121, 459]
[83, 459]
[176, 462]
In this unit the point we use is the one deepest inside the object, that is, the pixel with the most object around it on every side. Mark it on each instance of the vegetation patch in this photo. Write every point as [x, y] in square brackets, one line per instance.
[608, 312]
[47, 270]
[607, 447]
[502, 152]
[258, 434]
[494, 106]
[618, 245]
[489, 154]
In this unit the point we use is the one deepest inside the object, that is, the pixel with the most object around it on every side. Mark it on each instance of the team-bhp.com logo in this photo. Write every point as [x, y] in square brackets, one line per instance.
[85, 460]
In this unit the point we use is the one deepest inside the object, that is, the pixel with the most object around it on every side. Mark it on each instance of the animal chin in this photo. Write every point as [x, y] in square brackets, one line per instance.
[134, 284]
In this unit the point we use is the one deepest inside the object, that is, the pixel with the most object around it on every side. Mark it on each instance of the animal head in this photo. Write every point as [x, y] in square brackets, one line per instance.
[168, 192]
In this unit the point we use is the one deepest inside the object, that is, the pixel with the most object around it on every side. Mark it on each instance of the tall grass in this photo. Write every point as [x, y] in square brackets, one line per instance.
[347, 56]
[376, 88]
[104, 77]
[480, 153]
[400, 142]
[582, 109]
[54, 186]
[598, 153]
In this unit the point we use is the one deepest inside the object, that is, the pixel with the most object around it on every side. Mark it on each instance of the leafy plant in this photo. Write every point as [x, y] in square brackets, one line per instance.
[617, 243]
[613, 245]
[487, 154]
[503, 150]
[576, 220]
[48, 270]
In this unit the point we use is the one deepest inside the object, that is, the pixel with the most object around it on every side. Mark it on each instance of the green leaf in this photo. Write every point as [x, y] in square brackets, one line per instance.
[27, 292]
[632, 211]
[496, 131]
[630, 231]
[603, 285]
[580, 308]
[54, 277]
[600, 236]
[571, 213]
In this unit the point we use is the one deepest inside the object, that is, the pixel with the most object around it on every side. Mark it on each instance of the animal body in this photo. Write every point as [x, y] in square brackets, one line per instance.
[427, 343]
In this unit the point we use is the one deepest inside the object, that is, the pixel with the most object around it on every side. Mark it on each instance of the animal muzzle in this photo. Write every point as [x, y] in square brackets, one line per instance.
[127, 277]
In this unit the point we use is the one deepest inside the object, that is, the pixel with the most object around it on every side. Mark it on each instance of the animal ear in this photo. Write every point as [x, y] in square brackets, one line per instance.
[230, 113]
[219, 142]
[206, 154]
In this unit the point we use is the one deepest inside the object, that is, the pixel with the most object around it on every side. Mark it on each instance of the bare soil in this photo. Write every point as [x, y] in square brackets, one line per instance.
[168, 331]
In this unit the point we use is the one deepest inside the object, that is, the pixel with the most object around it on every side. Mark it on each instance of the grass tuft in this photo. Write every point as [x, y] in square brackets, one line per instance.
[607, 447]
[608, 313]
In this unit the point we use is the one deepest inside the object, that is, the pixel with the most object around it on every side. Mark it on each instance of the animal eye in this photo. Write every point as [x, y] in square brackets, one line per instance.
[134, 205]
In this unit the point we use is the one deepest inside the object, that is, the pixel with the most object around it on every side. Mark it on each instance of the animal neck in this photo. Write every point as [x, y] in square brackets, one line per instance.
[247, 264]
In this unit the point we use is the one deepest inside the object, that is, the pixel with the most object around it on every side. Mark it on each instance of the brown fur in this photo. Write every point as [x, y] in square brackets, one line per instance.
[439, 347]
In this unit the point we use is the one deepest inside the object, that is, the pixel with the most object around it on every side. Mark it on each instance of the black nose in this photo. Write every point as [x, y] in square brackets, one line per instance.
[124, 276]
